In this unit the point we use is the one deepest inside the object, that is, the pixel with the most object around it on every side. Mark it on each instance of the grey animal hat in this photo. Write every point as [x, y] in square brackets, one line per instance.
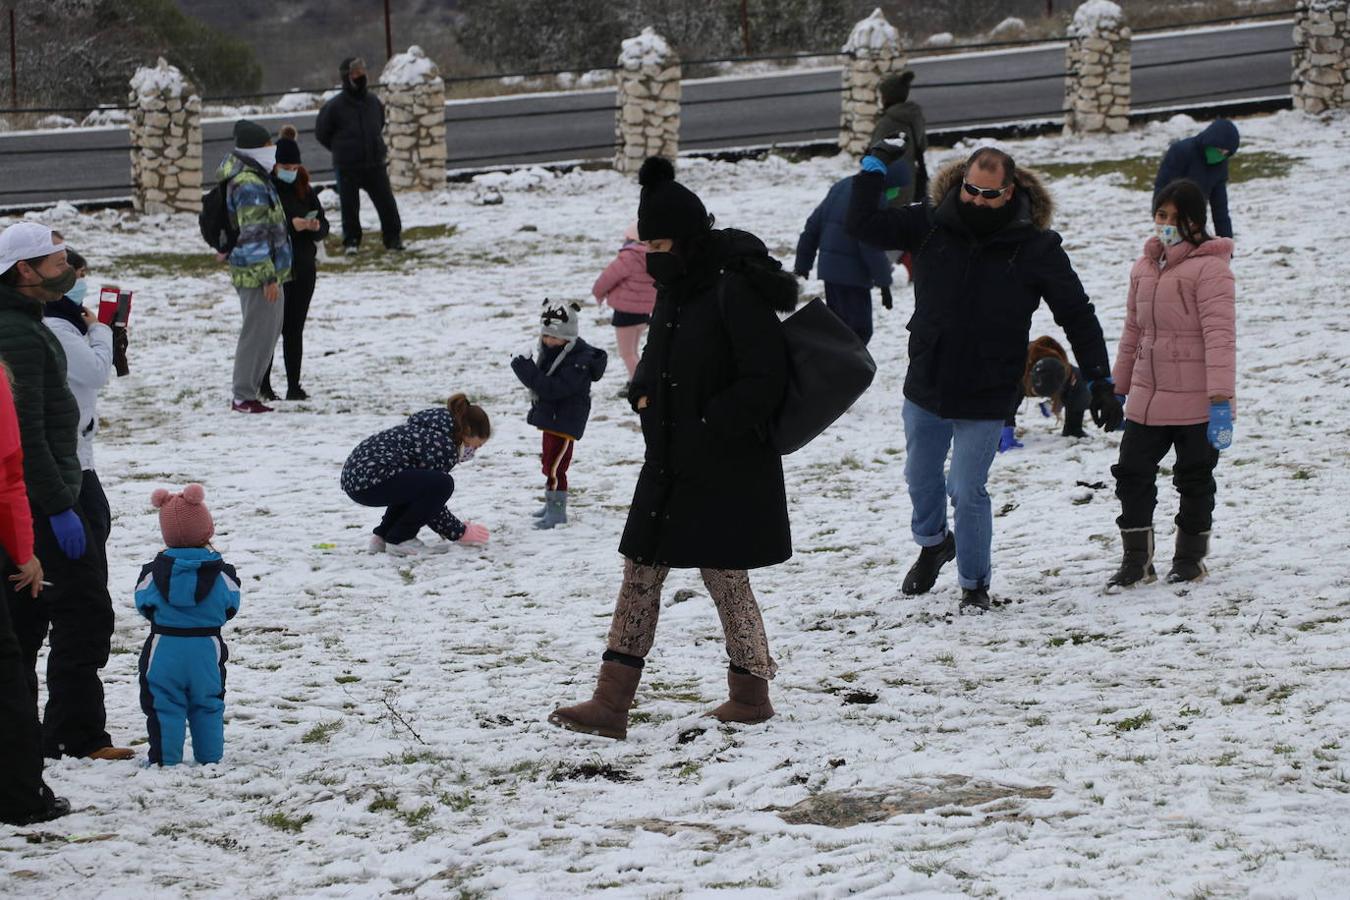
[560, 319]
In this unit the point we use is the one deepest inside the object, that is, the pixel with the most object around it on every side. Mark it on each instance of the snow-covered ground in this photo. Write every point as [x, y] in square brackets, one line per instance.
[386, 728]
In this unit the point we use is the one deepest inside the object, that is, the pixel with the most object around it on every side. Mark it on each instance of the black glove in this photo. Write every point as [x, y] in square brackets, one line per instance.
[120, 350]
[1107, 413]
[886, 300]
[888, 149]
[920, 179]
[802, 275]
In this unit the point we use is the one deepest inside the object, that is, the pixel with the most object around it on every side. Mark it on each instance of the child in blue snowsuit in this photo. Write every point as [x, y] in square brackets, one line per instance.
[560, 390]
[188, 592]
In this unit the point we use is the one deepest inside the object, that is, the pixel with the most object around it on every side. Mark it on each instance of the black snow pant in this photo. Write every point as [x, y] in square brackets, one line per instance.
[413, 498]
[78, 611]
[22, 791]
[299, 292]
[1142, 447]
[374, 180]
[852, 304]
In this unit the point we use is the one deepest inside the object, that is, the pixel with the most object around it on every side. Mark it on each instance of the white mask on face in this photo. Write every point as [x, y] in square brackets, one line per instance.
[1168, 234]
[263, 156]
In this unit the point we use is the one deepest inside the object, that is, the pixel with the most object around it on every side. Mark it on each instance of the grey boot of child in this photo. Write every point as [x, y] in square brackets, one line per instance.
[555, 509]
[541, 511]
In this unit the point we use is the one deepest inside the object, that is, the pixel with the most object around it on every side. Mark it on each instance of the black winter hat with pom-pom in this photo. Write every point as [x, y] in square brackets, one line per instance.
[288, 149]
[668, 209]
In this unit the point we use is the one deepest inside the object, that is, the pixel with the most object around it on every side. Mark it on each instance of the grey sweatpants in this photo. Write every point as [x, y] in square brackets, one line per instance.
[257, 340]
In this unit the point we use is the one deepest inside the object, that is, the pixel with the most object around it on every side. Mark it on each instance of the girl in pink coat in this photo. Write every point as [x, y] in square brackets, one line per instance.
[631, 293]
[1176, 365]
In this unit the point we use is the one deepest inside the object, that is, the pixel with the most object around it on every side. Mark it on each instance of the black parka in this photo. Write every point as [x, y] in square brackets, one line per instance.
[714, 370]
[973, 297]
[352, 129]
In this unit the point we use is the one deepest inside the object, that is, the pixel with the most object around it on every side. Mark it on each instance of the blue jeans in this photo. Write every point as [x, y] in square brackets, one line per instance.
[972, 443]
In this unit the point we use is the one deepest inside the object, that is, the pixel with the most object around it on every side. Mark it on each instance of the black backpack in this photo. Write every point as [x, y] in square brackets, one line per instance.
[214, 219]
[829, 368]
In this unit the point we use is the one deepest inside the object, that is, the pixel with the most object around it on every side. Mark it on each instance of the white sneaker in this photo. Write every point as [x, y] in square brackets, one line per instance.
[376, 544]
[410, 547]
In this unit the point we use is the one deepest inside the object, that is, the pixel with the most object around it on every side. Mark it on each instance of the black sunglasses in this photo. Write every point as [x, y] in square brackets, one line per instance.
[986, 193]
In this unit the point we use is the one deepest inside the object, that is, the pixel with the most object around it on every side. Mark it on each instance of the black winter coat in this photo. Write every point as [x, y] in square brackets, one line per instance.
[710, 494]
[49, 417]
[562, 400]
[304, 244]
[973, 298]
[1186, 159]
[352, 129]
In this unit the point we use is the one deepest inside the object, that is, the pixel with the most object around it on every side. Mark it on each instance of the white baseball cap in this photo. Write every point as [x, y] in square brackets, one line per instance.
[26, 240]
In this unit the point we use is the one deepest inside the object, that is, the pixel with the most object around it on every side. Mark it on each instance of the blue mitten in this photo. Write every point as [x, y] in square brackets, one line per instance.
[1220, 432]
[1045, 408]
[872, 164]
[69, 531]
[1007, 440]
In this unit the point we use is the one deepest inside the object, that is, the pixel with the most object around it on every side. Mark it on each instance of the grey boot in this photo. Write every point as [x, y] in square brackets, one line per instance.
[541, 511]
[1188, 560]
[555, 509]
[1136, 565]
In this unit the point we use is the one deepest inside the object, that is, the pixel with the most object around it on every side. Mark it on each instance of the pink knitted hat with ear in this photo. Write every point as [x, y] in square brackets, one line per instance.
[184, 519]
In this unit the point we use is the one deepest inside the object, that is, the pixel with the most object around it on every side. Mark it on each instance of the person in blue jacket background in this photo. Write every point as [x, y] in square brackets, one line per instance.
[1204, 160]
[187, 592]
[849, 268]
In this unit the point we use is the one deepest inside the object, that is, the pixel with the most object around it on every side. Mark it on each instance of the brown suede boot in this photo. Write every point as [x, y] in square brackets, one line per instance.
[606, 713]
[749, 701]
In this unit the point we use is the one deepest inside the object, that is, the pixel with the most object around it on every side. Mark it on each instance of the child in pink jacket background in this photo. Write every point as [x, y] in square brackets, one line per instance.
[631, 293]
[1176, 364]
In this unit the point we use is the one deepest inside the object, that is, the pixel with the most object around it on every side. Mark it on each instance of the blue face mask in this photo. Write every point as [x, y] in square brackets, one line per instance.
[288, 175]
[78, 292]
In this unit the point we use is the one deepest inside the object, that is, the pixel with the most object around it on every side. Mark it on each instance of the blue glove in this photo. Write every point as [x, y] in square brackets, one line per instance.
[1220, 431]
[872, 164]
[1008, 440]
[69, 531]
[1045, 408]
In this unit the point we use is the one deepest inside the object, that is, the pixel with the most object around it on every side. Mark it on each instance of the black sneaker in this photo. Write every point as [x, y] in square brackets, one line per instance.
[975, 601]
[266, 393]
[55, 808]
[296, 393]
[923, 574]
[396, 247]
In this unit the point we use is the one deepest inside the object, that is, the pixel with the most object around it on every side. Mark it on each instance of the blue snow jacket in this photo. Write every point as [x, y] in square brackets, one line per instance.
[1186, 159]
[562, 400]
[843, 260]
[187, 588]
[425, 441]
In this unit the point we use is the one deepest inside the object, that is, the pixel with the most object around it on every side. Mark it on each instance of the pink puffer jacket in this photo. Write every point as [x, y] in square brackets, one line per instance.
[1178, 347]
[625, 284]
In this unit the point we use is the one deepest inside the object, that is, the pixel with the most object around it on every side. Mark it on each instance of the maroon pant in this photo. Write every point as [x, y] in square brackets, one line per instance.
[556, 457]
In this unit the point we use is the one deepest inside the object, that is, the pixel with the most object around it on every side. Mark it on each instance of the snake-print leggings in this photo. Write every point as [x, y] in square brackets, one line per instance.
[634, 627]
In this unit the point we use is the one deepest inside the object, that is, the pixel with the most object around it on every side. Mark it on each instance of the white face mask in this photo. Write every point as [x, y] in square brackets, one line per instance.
[466, 452]
[263, 156]
[1168, 234]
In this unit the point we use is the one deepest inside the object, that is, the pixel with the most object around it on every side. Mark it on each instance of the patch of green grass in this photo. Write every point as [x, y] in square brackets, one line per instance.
[282, 822]
[415, 818]
[1134, 723]
[382, 802]
[1076, 639]
[458, 802]
[1137, 172]
[428, 232]
[153, 264]
[1037, 721]
[322, 732]
[347, 679]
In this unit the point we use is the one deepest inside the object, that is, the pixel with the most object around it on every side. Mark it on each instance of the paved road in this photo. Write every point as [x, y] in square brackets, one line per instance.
[1173, 69]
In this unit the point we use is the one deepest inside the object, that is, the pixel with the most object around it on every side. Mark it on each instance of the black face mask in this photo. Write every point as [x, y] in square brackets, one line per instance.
[665, 268]
[985, 220]
[59, 285]
[357, 86]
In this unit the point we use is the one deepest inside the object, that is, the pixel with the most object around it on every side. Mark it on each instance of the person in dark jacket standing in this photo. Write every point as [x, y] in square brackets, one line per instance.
[307, 226]
[351, 127]
[984, 258]
[1204, 160]
[76, 607]
[560, 386]
[901, 115]
[710, 494]
[848, 267]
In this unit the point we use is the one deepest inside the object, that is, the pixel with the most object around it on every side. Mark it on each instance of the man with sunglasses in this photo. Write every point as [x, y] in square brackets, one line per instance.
[984, 259]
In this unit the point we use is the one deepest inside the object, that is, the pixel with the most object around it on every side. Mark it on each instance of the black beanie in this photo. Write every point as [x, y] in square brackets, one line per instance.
[895, 88]
[250, 135]
[288, 151]
[667, 209]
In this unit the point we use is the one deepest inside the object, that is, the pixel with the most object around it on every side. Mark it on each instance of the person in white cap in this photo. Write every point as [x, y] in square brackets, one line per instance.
[33, 271]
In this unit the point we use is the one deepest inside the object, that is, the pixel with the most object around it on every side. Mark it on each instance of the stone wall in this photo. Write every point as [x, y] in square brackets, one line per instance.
[166, 141]
[1321, 55]
[1097, 70]
[873, 51]
[648, 118]
[414, 121]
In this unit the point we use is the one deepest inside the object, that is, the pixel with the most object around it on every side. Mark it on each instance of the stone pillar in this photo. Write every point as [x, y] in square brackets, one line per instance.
[647, 122]
[414, 121]
[1097, 70]
[166, 141]
[873, 51]
[1321, 55]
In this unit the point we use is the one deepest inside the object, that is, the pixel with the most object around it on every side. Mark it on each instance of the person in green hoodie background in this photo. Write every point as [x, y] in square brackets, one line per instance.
[260, 262]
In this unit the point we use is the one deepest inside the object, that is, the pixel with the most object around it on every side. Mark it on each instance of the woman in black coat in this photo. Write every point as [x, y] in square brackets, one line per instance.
[307, 227]
[710, 494]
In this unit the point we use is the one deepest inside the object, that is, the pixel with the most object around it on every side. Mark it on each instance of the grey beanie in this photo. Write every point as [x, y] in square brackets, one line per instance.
[560, 319]
[250, 135]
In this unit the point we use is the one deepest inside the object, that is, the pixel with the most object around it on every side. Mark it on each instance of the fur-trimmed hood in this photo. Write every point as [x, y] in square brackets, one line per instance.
[1042, 205]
